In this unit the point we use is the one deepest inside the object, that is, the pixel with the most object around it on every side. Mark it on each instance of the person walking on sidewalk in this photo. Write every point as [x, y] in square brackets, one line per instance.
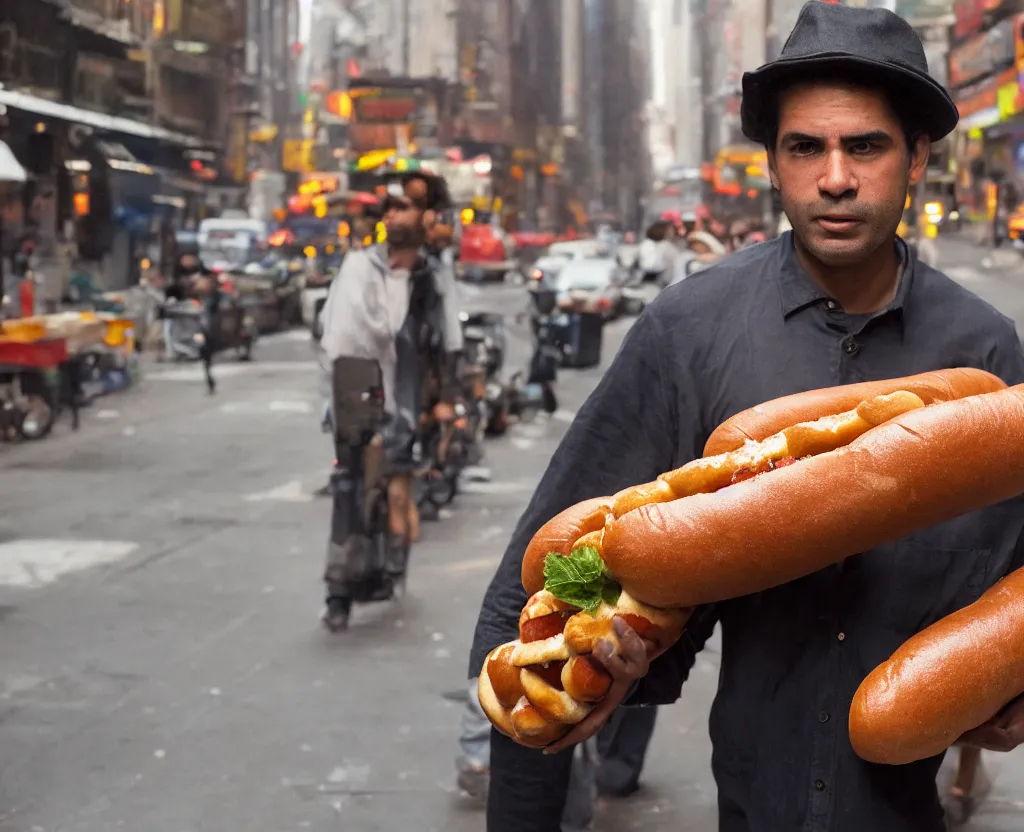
[847, 114]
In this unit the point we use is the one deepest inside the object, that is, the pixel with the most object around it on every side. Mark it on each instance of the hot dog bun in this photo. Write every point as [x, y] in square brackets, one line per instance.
[945, 681]
[754, 517]
[769, 418]
[920, 469]
[590, 520]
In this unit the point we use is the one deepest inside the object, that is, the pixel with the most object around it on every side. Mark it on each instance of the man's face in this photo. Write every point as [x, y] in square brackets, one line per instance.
[842, 167]
[404, 224]
[416, 190]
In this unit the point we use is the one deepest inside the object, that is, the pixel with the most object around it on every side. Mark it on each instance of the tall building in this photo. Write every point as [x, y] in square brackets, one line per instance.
[414, 38]
[675, 122]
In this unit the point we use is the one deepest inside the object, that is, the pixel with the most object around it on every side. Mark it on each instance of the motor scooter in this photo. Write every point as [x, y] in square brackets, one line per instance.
[357, 546]
[484, 339]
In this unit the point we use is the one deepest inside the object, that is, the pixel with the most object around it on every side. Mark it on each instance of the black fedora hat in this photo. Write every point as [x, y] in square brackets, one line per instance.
[872, 45]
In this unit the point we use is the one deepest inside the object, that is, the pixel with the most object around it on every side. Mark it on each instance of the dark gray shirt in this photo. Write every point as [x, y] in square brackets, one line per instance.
[753, 328]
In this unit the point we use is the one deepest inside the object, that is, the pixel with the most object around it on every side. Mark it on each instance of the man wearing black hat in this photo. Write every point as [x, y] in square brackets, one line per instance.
[847, 114]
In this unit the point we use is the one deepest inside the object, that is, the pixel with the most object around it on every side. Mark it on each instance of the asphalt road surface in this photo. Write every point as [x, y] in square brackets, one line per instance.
[162, 666]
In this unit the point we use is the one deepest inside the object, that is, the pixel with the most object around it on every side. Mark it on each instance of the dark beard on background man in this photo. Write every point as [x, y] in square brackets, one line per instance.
[405, 237]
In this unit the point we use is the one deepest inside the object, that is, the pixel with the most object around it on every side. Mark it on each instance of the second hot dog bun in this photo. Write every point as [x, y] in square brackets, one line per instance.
[920, 469]
[769, 418]
[945, 681]
[536, 688]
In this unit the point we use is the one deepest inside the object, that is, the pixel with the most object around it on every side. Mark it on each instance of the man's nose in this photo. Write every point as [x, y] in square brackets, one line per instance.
[837, 178]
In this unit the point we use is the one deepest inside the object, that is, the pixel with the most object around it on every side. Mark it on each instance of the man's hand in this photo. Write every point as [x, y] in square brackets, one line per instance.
[1004, 732]
[625, 666]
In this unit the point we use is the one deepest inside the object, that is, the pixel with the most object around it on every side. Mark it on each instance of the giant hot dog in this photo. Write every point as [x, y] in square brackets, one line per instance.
[946, 680]
[687, 566]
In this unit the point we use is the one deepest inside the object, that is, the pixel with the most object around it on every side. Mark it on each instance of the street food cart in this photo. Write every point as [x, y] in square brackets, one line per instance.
[43, 363]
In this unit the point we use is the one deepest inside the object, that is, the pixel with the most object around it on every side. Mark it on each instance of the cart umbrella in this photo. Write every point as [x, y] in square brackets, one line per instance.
[10, 169]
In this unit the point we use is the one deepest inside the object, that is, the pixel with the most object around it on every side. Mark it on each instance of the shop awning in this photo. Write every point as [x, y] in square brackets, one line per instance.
[101, 121]
[10, 169]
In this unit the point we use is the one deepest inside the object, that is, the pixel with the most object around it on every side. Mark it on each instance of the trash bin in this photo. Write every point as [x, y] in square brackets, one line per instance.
[583, 345]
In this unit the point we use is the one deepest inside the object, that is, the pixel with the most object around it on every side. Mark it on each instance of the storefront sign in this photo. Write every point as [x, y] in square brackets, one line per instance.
[970, 15]
[980, 97]
[984, 54]
[984, 104]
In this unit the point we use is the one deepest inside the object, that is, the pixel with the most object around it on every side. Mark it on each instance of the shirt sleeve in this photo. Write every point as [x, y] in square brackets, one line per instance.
[623, 435]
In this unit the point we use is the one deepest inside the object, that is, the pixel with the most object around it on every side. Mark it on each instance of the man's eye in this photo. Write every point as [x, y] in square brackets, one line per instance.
[862, 148]
[803, 148]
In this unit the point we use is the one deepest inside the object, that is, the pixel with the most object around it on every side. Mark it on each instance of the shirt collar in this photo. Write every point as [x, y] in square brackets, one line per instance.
[798, 290]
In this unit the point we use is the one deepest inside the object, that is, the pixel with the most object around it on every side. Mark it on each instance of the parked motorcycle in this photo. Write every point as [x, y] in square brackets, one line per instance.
[484, 342]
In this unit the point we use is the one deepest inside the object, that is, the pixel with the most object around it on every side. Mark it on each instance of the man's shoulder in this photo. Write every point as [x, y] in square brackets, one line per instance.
[719, 285]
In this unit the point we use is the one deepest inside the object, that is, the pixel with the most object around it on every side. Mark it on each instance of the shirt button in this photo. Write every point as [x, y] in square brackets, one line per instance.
[823, 717]
[831, 306]
[850, 347]
[819, 785]
[841, 636]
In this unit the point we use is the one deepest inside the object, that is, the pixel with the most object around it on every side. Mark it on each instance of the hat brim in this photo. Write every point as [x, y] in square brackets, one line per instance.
[933, 109]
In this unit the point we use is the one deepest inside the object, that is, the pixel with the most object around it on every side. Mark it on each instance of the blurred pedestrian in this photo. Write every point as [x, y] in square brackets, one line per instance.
[970, 785]
[847, 114]
[211, 299]
[657, 252]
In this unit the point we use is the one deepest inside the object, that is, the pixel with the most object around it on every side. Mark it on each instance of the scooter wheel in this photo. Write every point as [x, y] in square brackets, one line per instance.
[498, 424]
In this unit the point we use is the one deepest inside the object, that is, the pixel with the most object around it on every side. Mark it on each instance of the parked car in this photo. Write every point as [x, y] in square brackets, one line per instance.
[545, 270]
[593, 285]
[580, 249]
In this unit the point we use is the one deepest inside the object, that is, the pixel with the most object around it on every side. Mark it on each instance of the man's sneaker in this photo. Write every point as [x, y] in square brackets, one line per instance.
[396, 558]
[474, 781]
[336, 614]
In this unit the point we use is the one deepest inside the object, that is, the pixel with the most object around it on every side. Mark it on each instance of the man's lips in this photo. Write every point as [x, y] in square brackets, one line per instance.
[837, 223]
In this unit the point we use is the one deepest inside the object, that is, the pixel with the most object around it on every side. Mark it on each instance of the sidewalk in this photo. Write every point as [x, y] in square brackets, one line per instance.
[958, 249]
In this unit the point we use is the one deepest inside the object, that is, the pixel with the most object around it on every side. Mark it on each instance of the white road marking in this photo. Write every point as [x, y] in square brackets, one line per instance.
[473, 565]
[291, 406]
[521, 444]
[194, 373]
[290, 335]
[36, 563]
[490, 533]
[532, 430]
[564, 416]
[477, 473]
[262, 408]
[290, 492]
[496, 488]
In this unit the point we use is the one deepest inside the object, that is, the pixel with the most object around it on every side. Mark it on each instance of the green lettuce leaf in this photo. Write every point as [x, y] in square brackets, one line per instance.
[580, 579]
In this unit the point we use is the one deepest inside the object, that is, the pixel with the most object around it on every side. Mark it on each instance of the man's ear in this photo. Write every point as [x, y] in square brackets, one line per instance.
[772, 174]
[919, 153]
